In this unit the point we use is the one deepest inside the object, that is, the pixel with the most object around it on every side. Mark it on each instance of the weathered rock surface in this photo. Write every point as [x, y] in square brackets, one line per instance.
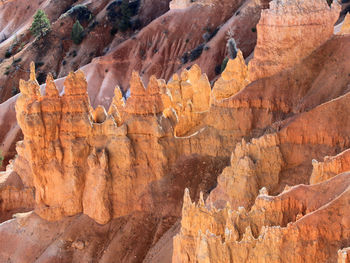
[253, 166]
[345, 28]
[232, 80]
[14, 196]
[290, 220]
[159, 48]
[127, 168]
[330, 167]
[282, 32]
[85, 160]
[344, 255]
[187, 99]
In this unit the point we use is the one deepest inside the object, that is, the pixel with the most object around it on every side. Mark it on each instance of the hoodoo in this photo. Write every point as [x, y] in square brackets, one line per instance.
[161, 146]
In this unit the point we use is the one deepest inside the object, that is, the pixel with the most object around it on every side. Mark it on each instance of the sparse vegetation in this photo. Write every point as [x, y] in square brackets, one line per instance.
[80, 12]
[231, 54]
[10, 51]
[223, 65]
[120, 12]
[39, 64]
[209, 34]
[196, 53]
[1, 158]
[217, 69]
[77, 33]
[15, 61]
[231, 48]
[41, 24]
[14, 65]
[14, 91]
[8, 54]
[193, 54]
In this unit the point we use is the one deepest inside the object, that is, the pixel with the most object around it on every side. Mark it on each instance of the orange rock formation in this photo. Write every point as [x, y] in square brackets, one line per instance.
[298, 220]
[288, 32]
[112, 180]
[345, 29]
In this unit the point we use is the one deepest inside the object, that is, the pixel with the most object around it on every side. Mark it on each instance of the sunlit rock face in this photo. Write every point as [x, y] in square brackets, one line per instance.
[292, 219]
[345, 29]
[267, 144]
[289, 31]
[233, 79]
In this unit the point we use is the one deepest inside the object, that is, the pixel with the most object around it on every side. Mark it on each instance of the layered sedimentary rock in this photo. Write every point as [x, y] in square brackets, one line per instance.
[61, 134]
[289, 31]
[253, 166]
[297, 217]
[330, 167]
[87, 160]
[128, 167]
[187, 99]
[14, 196]
[232, 80]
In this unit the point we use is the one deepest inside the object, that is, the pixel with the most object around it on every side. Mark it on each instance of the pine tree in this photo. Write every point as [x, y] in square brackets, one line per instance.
[124, 23]
[77, 33]
[41, 24]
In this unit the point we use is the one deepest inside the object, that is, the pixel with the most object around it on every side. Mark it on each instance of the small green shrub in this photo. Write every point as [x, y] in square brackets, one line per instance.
[39, 64]
[80, 12]
[77, 33]
[41, 24]
[217, 69]
[224, 64]
[119, 13]
[207, 36]
[196, 53]
[193, 54]
[1, 158]
[8, 54]
[17, 60]
[184, 58]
